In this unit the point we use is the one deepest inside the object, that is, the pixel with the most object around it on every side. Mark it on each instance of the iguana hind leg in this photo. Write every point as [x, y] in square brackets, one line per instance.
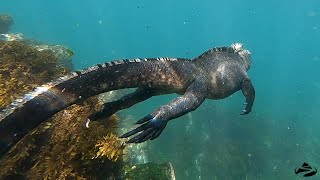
[124, 102]
[249, 93]
[155, 122]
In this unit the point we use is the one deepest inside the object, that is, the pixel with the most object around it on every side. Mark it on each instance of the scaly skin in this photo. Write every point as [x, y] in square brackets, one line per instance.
[215, 74]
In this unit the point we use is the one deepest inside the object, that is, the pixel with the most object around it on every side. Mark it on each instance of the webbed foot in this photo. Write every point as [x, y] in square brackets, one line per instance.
[151, 129]
[249, 93]
[245, 111]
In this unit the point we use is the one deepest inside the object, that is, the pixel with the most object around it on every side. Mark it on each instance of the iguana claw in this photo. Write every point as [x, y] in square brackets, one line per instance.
[151, 129]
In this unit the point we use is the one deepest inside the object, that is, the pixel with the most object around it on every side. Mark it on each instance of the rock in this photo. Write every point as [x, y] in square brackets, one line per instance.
[6, 22]
[150, 171]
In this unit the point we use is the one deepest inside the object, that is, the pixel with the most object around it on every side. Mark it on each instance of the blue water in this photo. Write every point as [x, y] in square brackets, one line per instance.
[281, 132]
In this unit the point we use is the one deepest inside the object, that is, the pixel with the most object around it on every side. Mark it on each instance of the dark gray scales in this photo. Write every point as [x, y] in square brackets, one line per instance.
[216, 74]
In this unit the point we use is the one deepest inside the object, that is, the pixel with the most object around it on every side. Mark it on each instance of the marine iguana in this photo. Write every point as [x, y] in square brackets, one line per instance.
[216, 74]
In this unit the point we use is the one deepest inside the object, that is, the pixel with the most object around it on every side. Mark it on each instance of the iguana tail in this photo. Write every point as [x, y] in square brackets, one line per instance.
[25, 114]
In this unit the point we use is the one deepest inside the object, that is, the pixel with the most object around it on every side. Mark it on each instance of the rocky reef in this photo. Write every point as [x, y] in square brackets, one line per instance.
[62, 147]
[23, 67]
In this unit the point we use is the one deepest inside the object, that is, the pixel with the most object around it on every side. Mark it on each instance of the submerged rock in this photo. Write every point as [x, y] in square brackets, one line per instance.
[11, 37]
[6, 21]
[63, 54]
[23, 67]
[150, 171]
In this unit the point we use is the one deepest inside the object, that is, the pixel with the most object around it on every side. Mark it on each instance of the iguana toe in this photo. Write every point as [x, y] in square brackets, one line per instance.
[151, 129]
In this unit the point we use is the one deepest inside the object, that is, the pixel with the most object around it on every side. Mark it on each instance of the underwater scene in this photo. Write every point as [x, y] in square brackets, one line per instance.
[160, 90]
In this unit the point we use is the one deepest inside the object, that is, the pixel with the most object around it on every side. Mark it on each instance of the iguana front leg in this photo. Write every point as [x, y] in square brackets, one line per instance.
[124, 102]
[155, 122]
[249, 93]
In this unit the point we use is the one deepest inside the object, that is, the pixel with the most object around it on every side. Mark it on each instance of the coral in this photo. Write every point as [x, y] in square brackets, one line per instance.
[6, 21]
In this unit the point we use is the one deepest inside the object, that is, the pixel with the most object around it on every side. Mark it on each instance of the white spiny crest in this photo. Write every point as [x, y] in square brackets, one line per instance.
[237, 47]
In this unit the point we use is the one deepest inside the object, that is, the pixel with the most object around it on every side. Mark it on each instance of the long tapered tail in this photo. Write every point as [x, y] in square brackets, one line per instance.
[25, 114]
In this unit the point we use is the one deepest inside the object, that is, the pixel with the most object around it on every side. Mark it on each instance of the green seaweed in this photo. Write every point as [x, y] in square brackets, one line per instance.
[69, 52]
